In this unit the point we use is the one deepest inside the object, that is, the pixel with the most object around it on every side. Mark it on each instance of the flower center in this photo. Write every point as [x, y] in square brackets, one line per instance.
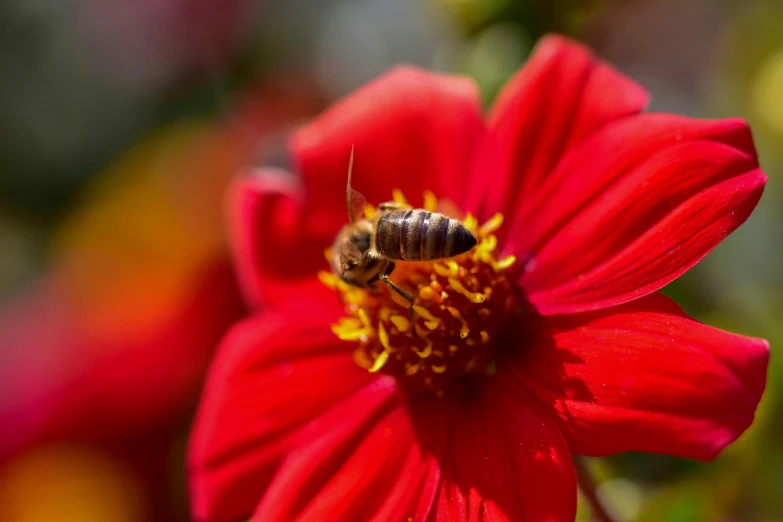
[460, 306]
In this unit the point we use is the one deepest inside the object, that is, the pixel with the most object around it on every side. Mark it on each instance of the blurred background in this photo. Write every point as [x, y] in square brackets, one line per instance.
[121, 122]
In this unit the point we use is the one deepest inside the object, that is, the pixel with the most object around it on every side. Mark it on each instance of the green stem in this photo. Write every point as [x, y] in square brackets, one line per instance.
[587, 485]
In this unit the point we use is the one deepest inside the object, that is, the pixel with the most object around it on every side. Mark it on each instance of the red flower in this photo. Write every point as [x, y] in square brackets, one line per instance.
[564, 347]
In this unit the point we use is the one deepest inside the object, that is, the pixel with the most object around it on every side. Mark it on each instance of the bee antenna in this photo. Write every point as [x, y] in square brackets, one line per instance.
[349, 191]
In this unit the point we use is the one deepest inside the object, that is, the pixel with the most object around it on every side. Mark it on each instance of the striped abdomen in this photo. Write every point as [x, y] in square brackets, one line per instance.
[418, 235]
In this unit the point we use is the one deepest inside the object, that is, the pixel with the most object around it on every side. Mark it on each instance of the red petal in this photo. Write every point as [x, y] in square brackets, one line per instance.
[642, 377]
[413, 493]
[412, 130]
[503, 460]
[277, 242]
[632, 209]
[273, 374]
[344, 462]
[561, 96]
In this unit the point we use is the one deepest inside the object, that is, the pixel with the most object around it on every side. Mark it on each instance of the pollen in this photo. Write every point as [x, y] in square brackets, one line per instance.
[460, 306]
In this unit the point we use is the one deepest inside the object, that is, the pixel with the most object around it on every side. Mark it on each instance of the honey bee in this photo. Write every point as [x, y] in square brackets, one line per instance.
[365, 250]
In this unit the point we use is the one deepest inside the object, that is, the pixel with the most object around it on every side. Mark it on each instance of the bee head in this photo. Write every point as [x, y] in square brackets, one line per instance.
[350, 258]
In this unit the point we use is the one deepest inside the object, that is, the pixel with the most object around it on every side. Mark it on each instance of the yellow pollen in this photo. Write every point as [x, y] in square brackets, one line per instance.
[453, 267]
[491, 225]
[399, 197]
[328, 279]
[402, 323]
[424, 313]
[476, 297]
[348, 329]
[439, 368]
[504, 263]
[369, 211]
[441, 270]
[379, 362]
[430, 201]
[488, 245]
[383, 337]
[470, 222]
[426, 352]
[426, 293]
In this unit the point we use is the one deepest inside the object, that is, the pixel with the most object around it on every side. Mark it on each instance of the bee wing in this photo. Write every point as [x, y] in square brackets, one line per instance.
[354, 200]
[356, 204]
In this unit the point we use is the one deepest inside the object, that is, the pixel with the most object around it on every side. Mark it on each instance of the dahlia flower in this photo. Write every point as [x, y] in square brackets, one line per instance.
[547, 339]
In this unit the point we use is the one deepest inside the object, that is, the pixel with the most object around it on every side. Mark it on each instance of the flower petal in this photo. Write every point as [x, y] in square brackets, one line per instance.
[273, 374]
[277, 242]
[344, 462]
[411, 129]
[641, 377]
[632, 209]
[503, 459]
[557, 100]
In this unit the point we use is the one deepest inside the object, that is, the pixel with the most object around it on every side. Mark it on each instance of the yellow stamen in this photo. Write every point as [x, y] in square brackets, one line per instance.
[491, 225]
[484, 336]
[424, 313]
[402, 323]
[504, 263]
[349, 329]
[426, 352]
[488, 244]
[383, 337]
[385, 313]
[369, 211]
[453, 267]
[441, 270]
[439, 368]
[470, 222]
[473, 296]
[430, 201]
[328, 279]
[379, 362]
[411, 369]
[349, 335]
[426, 293]
[399, 197]
[432, 325]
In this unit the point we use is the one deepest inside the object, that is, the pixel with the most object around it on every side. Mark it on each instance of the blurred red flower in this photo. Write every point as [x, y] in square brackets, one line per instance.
[102, 360]
[604, 206]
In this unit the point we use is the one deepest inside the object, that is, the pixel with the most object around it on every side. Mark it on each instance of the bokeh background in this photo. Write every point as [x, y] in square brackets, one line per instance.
[121, 123]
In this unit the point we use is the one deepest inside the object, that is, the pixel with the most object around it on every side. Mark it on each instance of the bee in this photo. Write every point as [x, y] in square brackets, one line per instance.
[365, 250]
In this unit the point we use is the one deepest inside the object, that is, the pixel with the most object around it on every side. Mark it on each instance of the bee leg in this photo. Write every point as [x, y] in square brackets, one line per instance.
[393, 287]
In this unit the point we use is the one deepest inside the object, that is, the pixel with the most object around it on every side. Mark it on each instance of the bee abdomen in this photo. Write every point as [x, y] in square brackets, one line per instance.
[418, 235]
